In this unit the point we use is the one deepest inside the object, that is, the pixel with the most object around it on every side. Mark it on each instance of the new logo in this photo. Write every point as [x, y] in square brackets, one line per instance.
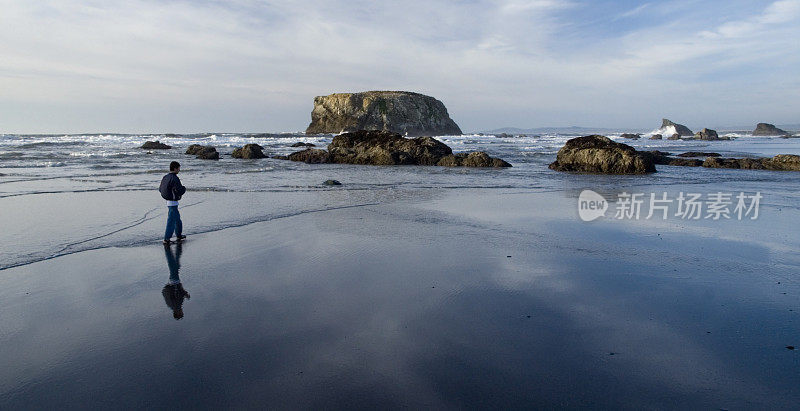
[591, 205]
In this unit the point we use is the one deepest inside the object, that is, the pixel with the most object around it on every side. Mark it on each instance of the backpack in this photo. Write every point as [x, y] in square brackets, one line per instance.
[167, 188]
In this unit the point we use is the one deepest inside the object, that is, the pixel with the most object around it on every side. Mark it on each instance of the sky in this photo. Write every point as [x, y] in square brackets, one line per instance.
[133, 66]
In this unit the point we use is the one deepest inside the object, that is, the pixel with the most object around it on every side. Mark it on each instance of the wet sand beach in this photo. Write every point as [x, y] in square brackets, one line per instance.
[436, 299]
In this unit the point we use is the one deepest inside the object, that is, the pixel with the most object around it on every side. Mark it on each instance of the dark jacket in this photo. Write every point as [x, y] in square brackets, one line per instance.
[171, 188]
[174, 295]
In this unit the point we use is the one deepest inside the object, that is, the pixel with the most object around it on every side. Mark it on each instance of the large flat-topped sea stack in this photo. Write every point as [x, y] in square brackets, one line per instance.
[403, 112]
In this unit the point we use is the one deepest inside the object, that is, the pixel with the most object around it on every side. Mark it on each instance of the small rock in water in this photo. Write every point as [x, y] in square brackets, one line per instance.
[332, 183]
[155, 145]
[249, 151]
[311, 156]
[790, 347]
[707, 134]
[766, 129]
[473, 159]
[203, 152]
[302, 144]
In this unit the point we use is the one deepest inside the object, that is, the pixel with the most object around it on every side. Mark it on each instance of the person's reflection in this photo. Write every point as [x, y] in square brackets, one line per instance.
[173, 292]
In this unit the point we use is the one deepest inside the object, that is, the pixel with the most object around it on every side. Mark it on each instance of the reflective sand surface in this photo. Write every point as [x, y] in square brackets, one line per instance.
[435, 301]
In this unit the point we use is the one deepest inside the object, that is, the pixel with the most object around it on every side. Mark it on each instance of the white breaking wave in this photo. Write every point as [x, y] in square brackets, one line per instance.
[665, 131]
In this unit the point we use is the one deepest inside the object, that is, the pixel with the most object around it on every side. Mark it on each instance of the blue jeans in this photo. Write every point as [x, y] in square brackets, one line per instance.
[174, 223]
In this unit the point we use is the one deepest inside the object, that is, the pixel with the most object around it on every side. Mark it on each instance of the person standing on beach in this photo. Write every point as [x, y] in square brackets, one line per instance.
[171, 190]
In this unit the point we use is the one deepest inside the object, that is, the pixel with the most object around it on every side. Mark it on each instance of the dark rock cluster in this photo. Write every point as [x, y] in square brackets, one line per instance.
[599, 154]
[310, 156]
[387, 148]
[155, 145]
[203, 152]
[249, 151]
[709, 135]
[781, 162]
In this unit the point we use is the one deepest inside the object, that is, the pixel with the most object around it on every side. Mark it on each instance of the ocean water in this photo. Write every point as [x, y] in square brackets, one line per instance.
[61, 194]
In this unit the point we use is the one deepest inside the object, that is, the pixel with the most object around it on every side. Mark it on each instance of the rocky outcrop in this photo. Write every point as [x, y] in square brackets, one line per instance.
[194, 149]
[781, 162]
[675, 136]
[310, 156]
[631, 136]
[664, 158]
[708, 134]
[599, 154]
[679, 129]
[657, 157]
[685, 162]
[332, 183]
[386, 148]
[249, 151]
[302, 144]
[740, 163]
[203, 152]
[155, 145]
[766, 129]
[402, 112]
[784, 162]
[656, 137]
[698, 154]
[474, 159]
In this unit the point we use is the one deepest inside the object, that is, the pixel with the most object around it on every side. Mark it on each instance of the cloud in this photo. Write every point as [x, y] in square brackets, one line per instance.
[256, 64]
[632, 12]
